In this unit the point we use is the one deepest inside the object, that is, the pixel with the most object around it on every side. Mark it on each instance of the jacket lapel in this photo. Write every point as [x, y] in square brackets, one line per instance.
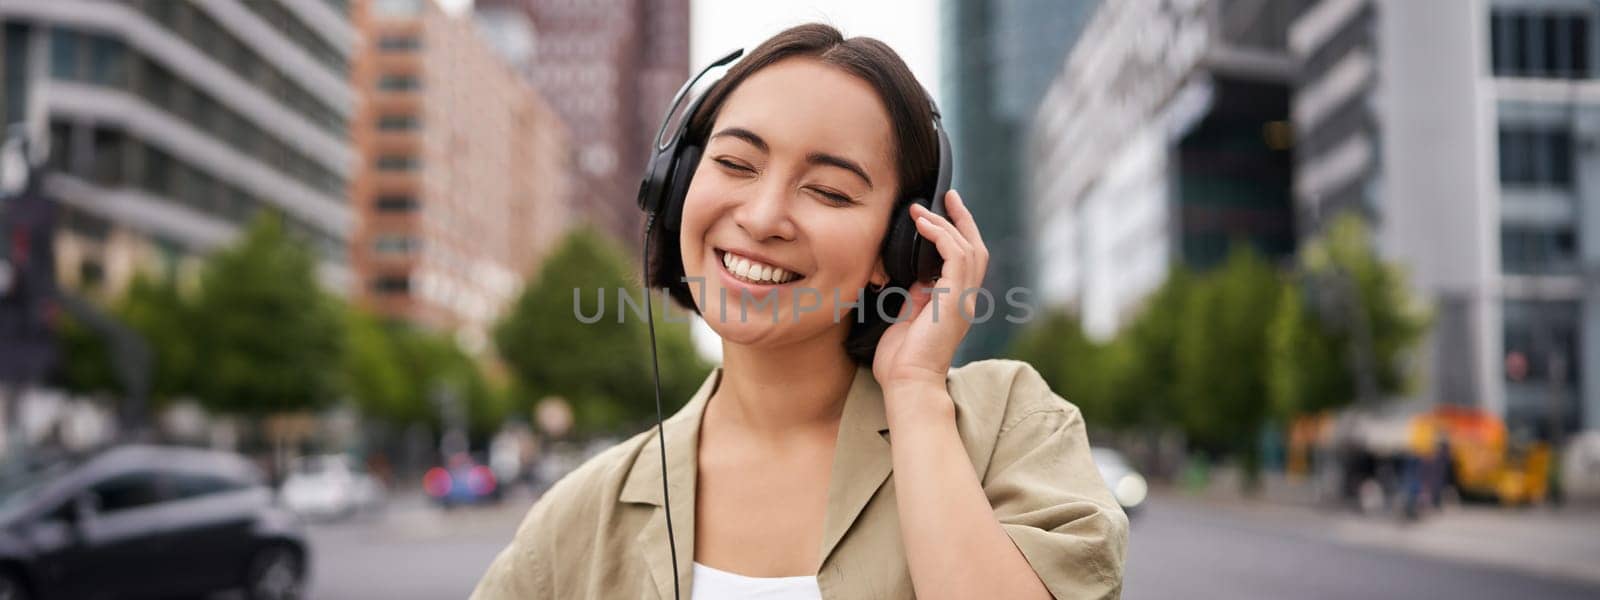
[644, 487]
[861, 459]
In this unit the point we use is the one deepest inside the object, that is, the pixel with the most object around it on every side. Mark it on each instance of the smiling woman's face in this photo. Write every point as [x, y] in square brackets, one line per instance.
[792, 194]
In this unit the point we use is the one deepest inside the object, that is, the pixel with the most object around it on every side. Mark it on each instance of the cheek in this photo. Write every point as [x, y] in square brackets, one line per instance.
[692, 229]
[849, 250]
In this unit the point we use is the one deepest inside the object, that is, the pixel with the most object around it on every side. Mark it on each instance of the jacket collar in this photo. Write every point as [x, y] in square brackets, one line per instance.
[861, 463]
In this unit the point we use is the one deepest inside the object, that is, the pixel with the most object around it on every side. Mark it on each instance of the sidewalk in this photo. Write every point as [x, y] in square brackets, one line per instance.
[1550, 542]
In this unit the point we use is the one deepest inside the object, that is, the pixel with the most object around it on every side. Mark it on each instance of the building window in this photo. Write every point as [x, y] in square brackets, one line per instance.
[158, 172]
[297, 32]
[1538, 336]
[238, 205]
[64, 54]
[396, 204]
[392, 284]
[397, 122]
[1536, 157]
[397, 163]
[14, 67]
[390, 243]
[60, 145]
[398, 83]
[1526, 43]
[108, 159]
[1538, 250]
[399, 43]
[108, 61]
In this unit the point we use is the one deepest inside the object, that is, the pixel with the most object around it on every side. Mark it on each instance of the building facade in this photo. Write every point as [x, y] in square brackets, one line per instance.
[172, 124]
[463, 181]
[1000, 56]
[1163, 140]
[609, 68]
[1466, 131]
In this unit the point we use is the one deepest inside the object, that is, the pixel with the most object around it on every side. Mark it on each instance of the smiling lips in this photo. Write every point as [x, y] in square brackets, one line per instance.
[756, 272]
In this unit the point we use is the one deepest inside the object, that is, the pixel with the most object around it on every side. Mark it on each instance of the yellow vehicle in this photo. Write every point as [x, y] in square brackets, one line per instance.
[1484, 463]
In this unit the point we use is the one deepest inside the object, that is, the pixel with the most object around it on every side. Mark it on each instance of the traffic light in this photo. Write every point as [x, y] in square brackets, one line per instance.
[28, 296]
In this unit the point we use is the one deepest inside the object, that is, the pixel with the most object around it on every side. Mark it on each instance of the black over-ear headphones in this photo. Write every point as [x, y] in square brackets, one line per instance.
[907, 257]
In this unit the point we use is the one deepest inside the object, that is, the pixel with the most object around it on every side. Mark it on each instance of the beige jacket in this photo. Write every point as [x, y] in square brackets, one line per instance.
[601, 531]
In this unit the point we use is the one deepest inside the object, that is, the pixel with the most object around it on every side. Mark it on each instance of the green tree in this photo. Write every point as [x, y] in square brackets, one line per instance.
[156, 310]
[159, 311]
[270, 337]
[374, 378]
[602, 368]
[1222, 356]
[83, 366]
[1149, 390]
[1351, 315]
[1082, 371]
[436, 367]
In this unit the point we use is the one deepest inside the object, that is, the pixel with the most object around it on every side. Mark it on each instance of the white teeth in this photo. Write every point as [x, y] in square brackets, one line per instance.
[754, 271]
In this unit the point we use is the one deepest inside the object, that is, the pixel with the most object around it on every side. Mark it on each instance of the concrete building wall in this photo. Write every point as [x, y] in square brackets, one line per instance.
[464, 184]
[173, 124]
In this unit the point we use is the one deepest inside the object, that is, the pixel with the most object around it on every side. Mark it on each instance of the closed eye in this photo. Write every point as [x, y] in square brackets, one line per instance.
[728, 164]
[833, 197]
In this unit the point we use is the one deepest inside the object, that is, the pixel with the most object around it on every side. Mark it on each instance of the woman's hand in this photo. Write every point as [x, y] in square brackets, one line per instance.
[917, 350]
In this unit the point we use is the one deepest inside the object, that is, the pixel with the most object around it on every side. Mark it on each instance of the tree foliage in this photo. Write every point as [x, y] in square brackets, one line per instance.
[269, 337]
[1343, 285]
[1222, 354]
[602, 368]
[1218, 355]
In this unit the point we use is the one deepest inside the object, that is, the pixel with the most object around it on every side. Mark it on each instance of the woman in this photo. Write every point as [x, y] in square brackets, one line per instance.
[828, 457]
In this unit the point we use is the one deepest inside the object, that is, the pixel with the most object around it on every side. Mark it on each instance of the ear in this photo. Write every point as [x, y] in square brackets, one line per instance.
[879, 277]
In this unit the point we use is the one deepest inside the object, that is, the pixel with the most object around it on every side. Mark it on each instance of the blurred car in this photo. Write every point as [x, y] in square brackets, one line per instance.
[330, 486]
[1127, 485]
[147, 521]
[461, 481]
[1580, 467]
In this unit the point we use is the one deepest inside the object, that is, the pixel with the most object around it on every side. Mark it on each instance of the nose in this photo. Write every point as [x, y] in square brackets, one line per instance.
[766, 215]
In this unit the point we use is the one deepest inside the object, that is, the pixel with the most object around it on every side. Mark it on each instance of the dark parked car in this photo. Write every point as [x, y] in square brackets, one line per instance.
[147, 521]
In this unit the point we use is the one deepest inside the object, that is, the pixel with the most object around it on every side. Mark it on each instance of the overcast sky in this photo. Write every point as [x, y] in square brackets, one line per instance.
[911, 27]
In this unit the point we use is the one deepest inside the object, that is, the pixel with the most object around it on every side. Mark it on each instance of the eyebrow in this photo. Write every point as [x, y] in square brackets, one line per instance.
[816, 158]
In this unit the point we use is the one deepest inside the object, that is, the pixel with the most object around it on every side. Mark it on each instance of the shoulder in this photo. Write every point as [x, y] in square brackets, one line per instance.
[1003, 407]
[1006, 390]
[565, 517]
[588, 490]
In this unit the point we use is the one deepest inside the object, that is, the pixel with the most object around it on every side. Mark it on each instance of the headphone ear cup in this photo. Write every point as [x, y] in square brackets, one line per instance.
[897, 249]
[678, 186]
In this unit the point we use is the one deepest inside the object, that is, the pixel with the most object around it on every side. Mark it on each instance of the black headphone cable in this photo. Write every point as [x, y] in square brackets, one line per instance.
[661, 435]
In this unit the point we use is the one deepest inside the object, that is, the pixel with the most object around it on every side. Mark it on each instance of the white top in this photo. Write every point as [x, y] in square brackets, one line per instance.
[712, 584]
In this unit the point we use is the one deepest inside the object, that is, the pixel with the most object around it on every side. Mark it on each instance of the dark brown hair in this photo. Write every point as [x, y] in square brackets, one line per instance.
[915, 146]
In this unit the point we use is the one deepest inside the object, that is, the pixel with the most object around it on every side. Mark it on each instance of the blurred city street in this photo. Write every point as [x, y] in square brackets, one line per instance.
[1186, 547]
[1182, 546]
[413, 549]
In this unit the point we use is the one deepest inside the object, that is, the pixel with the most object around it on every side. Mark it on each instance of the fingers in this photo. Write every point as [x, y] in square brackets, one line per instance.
[968, 226]
[959, 242]
[958, 238]
[916, 299]
[948, 241]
